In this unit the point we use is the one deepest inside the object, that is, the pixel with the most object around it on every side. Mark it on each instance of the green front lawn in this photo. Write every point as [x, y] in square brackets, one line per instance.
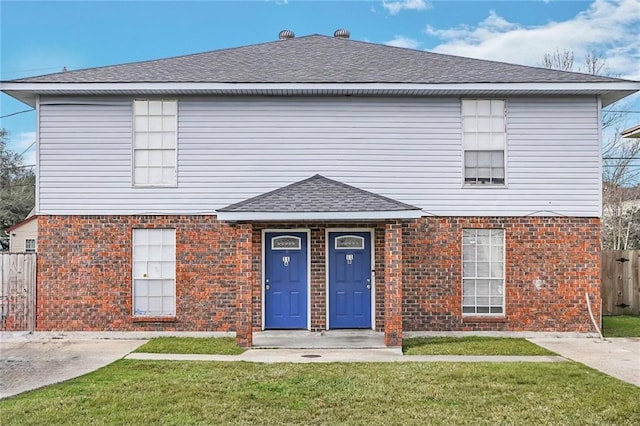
[472, 345]
[192, 345]
[179, 393]
[621, 326]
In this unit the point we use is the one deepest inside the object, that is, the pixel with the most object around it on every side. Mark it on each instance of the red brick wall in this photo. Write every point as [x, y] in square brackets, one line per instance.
[84, 273]
[561, 255]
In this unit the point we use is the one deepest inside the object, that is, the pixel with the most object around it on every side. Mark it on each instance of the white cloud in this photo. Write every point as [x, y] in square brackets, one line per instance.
[607, 27]
[395, 7]
[401, 41]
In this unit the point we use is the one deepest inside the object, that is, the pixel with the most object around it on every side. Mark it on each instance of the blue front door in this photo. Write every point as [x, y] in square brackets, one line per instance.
[349, 279]
[285, 284]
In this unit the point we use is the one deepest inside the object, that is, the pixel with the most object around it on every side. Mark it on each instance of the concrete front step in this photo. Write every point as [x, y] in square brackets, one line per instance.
[332, 339]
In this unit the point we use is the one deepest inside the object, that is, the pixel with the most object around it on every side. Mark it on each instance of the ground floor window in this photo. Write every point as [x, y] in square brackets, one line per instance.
[30, 245]
[483, 271]
[154, 271]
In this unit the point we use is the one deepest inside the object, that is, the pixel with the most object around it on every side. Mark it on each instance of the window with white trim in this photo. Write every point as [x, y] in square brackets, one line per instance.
[154, 272]
[30, 245]
[155, 123]
[483, 271]
[484, 140]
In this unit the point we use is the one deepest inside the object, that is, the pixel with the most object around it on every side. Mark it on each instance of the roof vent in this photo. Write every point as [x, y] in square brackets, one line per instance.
[286, 35]
[341, 34]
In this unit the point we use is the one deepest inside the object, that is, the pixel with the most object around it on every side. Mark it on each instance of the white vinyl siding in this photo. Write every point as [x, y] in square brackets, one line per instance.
[484, 140]
[154, 272]
[233, 148]
[154, 142]
[483, 271]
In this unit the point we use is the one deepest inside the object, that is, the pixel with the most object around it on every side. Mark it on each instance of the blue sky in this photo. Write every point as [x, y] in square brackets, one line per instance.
[40, 37]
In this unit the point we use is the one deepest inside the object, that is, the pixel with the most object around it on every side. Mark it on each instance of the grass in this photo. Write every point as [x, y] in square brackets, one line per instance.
[621, 326]
[472, 345]
[190, 345]
[183, 393]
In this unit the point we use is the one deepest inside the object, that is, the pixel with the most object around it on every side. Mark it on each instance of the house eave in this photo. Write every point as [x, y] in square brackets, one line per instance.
[299, 216]
[609, 91]
[633, 132]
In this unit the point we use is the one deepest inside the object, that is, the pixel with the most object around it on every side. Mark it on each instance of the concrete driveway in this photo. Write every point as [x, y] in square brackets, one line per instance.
[27, 364]
[617, 356]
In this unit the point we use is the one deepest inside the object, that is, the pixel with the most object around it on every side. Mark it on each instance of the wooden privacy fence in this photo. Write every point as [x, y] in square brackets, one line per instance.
[18, 291]
[621, 282]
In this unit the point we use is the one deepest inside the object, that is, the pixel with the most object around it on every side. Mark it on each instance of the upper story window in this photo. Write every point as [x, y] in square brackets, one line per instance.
[155, 123]
[484, 141]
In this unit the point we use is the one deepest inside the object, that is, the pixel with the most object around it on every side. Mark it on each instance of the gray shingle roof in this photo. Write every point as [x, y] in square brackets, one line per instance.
[317, 59]
[318, 194]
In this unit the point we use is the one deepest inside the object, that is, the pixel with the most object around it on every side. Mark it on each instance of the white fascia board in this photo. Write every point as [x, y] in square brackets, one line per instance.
[282, 216]
[463, 87]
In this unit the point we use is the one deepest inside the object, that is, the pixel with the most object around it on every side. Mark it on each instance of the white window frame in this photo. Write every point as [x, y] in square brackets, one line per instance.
[490, 133]
[148, 273]
[488, 277]
[28, 249]
[169, 118]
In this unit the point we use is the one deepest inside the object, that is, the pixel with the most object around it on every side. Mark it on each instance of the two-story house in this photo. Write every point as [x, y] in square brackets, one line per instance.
[318, 183]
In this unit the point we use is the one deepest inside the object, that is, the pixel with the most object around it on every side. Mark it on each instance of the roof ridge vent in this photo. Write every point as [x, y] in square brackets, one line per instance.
[286, 35]
[341, 33]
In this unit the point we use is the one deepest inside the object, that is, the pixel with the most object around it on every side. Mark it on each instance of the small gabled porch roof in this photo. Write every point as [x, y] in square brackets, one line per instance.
[318, 198]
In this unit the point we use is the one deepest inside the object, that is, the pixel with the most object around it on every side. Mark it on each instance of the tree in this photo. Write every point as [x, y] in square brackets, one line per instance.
[621, 220]
[17, 189]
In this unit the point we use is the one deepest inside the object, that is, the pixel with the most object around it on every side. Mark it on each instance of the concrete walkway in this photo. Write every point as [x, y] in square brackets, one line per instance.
[617, 356]
[271, 356]
[30, 364]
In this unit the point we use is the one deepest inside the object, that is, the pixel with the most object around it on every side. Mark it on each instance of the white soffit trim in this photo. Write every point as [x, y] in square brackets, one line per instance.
[610, 91]
[41, 87]
[262, 216]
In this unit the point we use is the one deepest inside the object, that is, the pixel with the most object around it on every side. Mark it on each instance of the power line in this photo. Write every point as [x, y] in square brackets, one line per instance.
[16, 113]
[621, 158]
[28, 148]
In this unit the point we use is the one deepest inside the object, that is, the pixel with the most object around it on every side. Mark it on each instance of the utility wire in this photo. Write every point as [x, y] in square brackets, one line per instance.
[28, 148]
[16, 113]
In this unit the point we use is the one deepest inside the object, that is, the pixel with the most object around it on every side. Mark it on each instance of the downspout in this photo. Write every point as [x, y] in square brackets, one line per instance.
[593, 320]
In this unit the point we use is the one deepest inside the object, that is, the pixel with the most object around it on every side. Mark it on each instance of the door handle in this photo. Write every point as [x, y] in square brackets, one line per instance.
[369, 286]
[267, 287]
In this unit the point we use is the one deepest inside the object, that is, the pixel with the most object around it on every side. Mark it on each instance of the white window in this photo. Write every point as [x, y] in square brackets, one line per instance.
[483, 271]
[155, 125]
[30, 246]
[154, 272]
[484, 141]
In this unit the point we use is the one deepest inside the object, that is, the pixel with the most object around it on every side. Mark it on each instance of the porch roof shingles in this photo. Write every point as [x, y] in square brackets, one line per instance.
[318, 59]
[318, 194]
